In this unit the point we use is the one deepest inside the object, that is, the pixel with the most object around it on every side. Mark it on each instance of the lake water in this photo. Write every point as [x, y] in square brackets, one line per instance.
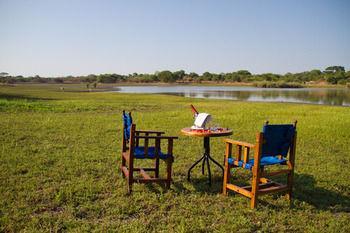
[326, 96]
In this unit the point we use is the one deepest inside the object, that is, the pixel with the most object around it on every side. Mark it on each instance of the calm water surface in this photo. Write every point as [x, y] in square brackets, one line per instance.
[326, 96]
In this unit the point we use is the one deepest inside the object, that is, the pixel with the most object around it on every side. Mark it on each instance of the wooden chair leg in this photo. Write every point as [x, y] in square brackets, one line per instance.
[290, 186]
[130, 177]
[253, 201]
[123, 165]
[226, 179]
[290, 177]
[168, 168]
[156, 172]
[255, 187]
[256, 171]
[130, 181]
[129, 188]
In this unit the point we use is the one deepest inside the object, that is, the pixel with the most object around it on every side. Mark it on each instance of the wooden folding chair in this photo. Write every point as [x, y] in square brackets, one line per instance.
[274, 146]
[132, 150]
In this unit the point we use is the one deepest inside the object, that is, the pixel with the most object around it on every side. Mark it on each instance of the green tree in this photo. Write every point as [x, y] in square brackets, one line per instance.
[334, 78]
[193, 75]
[244, 72]
[166, 76]
[109, 78]
[91, 78]
[207, 76]
[179, 74]
[4, 74]
[335, 69]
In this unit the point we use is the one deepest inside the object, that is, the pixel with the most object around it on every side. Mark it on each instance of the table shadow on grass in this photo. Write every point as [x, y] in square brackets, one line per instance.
[200, 184]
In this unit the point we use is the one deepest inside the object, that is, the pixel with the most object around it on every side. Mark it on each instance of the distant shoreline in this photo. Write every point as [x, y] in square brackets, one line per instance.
[204, 83]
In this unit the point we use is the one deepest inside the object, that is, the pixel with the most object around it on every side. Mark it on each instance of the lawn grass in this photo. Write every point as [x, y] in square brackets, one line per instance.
[60, 152]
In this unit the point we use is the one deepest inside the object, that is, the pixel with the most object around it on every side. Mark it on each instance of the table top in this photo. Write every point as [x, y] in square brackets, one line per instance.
[206, 133]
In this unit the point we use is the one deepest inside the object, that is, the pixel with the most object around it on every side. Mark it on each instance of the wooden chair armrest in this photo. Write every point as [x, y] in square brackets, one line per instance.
[156, 137]
[149, 131]
[242, 149]
[239, 143]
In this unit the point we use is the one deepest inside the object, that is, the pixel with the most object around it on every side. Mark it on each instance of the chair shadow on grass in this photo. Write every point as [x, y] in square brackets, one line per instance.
[306, 190]
[200, 184]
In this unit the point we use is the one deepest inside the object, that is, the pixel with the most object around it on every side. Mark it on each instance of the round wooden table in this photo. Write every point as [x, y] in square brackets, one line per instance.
[206, 134]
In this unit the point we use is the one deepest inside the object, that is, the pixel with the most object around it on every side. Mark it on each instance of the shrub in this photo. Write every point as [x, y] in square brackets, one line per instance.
[277, 85]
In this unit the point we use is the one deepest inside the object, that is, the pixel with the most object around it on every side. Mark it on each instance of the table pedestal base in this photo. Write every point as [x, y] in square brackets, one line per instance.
[205, 160]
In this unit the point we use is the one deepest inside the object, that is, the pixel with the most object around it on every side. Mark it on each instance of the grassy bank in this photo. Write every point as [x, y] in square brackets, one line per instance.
[60, 152]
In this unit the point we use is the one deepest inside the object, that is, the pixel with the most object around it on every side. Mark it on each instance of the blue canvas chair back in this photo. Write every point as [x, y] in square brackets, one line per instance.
[277, 139]
[127, 120]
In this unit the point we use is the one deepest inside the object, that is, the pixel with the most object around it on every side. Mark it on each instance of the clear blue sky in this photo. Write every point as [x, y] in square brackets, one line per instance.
[57, 38]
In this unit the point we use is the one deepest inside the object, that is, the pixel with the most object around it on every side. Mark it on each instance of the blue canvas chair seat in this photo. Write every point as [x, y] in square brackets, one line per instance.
[139, 153]
[264, 161]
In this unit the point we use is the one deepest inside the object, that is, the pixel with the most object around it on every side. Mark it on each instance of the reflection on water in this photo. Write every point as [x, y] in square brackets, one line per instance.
[328, 96]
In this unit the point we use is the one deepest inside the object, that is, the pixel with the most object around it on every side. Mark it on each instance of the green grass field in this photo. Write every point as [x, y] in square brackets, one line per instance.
[60, 153]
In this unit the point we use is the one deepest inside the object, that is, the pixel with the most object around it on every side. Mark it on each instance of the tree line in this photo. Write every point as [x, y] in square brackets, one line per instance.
[331, 75]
